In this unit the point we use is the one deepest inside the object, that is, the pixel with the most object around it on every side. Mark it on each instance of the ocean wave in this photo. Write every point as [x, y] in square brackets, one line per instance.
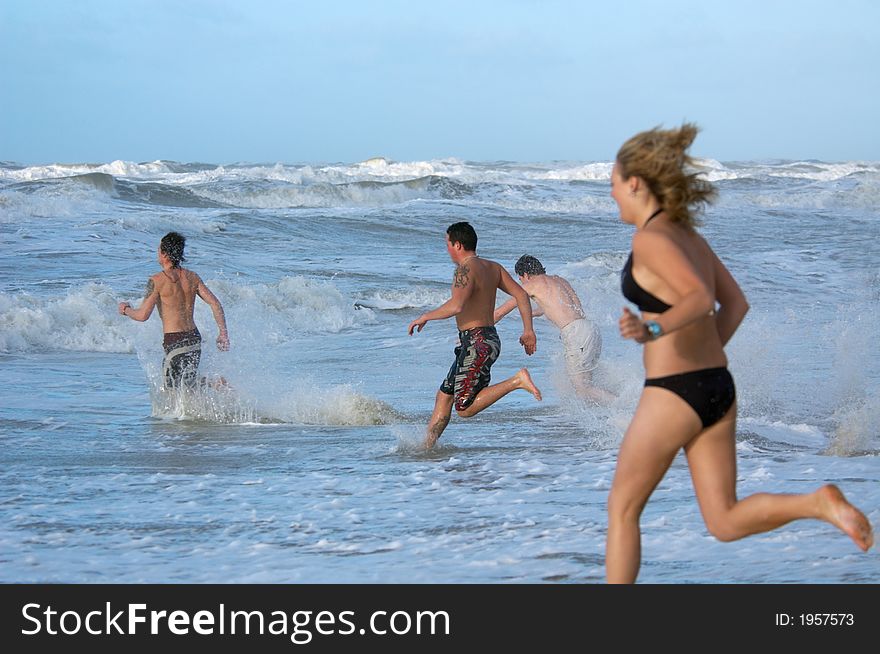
[292, 305]
[163, 195]
[561, 187]
[115, 169]
[855, 191]
[816, 171]
[592, 172]
[382, 169]
[819, 171]
[576, 205]
[397, 300]
[83, 320]
[320, 195]
[86, 319]
[72, 196]
[90, 194]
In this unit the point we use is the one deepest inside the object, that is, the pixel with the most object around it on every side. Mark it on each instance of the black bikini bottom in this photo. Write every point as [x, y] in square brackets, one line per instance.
[709, 392]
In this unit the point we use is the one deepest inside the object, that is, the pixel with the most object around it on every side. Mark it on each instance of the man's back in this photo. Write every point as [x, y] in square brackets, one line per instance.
[557, 298]
[177, 297]
[485, 275]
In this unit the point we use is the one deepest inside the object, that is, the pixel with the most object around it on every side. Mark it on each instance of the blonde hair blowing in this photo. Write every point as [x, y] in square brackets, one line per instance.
[659, 157]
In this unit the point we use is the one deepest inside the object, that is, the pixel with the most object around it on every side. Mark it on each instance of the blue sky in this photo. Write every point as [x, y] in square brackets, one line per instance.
[272, 81]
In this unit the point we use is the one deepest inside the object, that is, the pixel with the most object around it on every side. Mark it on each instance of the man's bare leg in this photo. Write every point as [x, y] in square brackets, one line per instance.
[439, 419]
[592, 393]
[491, 394]
[586, 390]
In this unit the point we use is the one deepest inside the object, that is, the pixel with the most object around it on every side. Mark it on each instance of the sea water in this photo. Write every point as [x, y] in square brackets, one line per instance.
[307, 466]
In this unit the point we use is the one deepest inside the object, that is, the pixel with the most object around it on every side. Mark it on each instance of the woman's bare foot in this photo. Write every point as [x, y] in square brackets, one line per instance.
[525, 382]
[845, 516]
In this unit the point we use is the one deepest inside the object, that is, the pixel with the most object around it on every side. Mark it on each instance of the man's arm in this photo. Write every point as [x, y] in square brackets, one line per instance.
[506, 284]
[510, 305]
[462, 288]
[504, 309]
[143, 312]
[205, 293]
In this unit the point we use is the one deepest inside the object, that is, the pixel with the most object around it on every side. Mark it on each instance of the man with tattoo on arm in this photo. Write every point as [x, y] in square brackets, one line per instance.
[474, 286]
[173, 291]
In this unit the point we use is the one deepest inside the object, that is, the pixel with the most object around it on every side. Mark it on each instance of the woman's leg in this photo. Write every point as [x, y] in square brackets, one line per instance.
[712, 460]
[662, 424]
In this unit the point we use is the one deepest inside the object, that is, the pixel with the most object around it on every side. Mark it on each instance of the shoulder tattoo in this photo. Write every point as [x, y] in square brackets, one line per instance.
[151, 287]
[461, 277]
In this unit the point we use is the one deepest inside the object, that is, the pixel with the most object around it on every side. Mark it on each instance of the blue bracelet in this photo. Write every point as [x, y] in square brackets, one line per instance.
[655, 331]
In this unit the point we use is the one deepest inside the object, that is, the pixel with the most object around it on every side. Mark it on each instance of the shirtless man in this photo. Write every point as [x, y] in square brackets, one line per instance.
[557, 300]
[474, 285]
[174, 291]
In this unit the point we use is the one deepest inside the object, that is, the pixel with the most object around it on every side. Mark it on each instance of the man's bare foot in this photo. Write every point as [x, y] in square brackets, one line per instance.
[525, 382]
[845, 516]
[218, 383]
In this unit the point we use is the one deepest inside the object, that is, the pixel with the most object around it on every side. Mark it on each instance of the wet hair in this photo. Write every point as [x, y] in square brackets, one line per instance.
[659, 157]
[463, 233]
[172, 245]
[528, 265]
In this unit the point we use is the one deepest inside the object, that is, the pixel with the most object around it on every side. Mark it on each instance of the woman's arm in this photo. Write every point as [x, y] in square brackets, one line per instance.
[734, 305]
[666, 261]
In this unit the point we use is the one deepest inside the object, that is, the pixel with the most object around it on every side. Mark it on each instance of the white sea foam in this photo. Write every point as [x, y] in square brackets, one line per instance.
[292, 305]
[86, 319]
[857, 424]
[818, 171]
[83, 320]
[591, 172]
[380, 182]
[381, 169]
[776, 430]
[64, 199]
[115, 168]
[306, 403]
[316, 195]
[581, 205]
[313, 403]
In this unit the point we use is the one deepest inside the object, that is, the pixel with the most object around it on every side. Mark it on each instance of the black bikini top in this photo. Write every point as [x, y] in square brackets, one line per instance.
[635, 293]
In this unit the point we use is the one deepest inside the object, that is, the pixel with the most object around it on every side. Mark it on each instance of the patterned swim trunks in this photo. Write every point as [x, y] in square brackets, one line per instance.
[478, 350]
[183, 350]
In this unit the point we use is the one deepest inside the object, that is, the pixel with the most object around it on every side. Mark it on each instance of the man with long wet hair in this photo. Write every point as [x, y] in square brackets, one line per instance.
[173, 290]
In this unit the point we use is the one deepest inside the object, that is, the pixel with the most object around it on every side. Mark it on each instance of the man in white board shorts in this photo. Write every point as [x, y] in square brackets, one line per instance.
[581, 340]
